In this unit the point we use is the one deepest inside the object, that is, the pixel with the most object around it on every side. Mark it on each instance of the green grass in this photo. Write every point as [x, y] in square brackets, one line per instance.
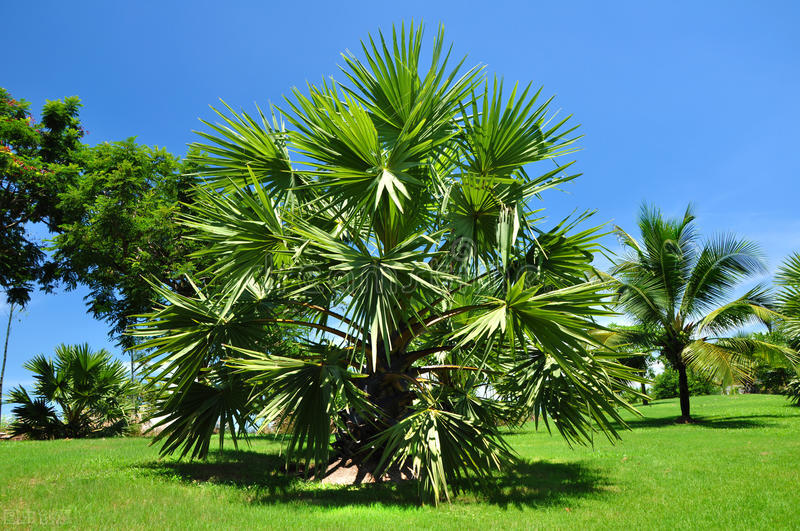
[738, 468]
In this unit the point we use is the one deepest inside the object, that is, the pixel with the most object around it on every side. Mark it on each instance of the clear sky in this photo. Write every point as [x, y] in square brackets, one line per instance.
[678, 101]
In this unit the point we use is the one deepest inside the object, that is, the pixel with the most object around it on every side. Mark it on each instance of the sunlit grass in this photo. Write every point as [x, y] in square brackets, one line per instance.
[737, 468]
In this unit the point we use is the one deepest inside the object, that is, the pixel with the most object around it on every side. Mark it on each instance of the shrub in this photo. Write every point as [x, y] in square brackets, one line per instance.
[665, 385]
[792, 391]
[81, 393]
[771, 380]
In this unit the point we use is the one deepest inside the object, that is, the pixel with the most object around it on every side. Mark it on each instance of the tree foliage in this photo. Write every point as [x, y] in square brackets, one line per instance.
[666, 384]
[118, 229]
[788, 280]
[37, 162]
[392, 221]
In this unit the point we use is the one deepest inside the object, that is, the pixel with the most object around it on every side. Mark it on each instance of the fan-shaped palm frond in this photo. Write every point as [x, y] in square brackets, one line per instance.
[80, 393]
[441, 447]
[216, 401]
[242, 145]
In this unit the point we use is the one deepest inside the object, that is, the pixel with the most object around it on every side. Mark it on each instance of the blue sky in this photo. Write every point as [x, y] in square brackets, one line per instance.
[678, 101]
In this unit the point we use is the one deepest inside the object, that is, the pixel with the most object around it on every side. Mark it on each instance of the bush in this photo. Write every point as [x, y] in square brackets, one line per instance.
[770, 380]
[665, 385]
[80, 393]
[792, 391]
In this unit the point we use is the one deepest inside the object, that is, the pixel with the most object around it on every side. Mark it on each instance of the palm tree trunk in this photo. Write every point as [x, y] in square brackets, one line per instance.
[683, 390]
[5, 353]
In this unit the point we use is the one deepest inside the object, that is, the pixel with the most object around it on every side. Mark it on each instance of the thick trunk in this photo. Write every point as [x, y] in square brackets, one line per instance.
[683, 392]
[644, 392]
[388, 389]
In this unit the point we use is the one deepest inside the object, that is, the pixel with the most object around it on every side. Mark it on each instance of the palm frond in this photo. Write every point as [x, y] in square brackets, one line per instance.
[305, 395]
[723, 263]
[441, 447]
[752, 307]
[188, 416]
[243, 145]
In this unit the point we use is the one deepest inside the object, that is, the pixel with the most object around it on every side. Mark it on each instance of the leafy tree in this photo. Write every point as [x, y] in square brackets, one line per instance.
[118, 229]
[681, 288]
[392, 224]
[666, 384]
[37, 162]
[81, 393]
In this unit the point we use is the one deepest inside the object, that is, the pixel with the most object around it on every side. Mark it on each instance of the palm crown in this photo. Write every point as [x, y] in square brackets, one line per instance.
[389, 226]
[681, 289]
[789, 297]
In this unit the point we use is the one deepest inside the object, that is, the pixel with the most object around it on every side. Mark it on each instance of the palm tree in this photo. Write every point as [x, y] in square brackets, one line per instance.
[80, 393]
[682, 288]
[391, 225]
[788, 279]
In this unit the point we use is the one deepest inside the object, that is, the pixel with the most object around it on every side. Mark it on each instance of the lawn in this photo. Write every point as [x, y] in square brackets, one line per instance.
[739, 467]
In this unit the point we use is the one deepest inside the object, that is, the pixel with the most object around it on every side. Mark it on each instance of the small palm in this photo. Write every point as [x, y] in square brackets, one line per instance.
[79, 393]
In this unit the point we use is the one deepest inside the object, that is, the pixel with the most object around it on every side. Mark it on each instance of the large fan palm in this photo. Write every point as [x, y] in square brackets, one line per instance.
[392, 227]
[681, 289]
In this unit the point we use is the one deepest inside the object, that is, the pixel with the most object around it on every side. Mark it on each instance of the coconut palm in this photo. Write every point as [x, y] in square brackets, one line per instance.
[392, 223]
[80, 393]
[681, 288]
[788, 279]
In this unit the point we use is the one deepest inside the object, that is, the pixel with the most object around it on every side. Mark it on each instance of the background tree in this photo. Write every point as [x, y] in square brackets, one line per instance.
[37, 162]
[5, 356]
[118, 229]
[80, 393]
[682, 289]
[392, 226]
[666, 384]
[109, 208]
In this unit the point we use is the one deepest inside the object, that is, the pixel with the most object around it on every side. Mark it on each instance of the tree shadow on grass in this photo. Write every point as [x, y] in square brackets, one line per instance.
[264, 480]
[542, 483]
[735, 423]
